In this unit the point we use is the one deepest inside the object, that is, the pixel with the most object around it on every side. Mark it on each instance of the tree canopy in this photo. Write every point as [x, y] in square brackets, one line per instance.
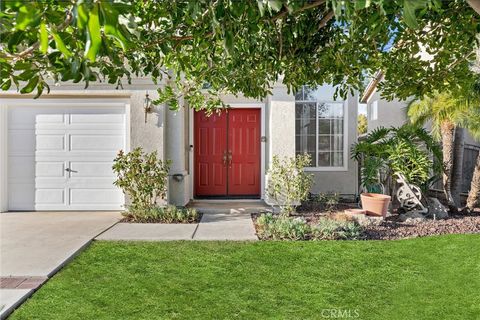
[204, 48]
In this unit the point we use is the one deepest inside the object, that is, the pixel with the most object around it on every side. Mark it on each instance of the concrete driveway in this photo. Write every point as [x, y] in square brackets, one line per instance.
[35, 245]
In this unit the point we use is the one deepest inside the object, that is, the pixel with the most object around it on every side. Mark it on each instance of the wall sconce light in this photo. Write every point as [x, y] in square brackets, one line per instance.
[147, 106]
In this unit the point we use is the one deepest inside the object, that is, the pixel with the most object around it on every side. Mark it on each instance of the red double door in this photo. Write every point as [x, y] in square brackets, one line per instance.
[227, 153]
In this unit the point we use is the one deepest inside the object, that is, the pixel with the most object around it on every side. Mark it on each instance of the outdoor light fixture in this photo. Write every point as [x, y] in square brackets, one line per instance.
[147, 106]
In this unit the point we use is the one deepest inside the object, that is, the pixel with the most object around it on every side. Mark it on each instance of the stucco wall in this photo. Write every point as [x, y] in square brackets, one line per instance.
[281, 120]
[390, 113]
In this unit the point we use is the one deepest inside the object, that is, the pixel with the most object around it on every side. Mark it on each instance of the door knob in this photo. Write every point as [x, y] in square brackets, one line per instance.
[225, 157]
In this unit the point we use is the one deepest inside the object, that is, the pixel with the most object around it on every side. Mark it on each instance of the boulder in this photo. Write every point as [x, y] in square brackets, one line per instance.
[413, 216]
[436, 210]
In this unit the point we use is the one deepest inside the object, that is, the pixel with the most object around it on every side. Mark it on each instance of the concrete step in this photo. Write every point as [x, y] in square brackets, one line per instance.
[229, 206]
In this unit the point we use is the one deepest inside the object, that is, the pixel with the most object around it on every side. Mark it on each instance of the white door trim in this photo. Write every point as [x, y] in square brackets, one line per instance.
[263, 144]
[6, 103]
[3, 158]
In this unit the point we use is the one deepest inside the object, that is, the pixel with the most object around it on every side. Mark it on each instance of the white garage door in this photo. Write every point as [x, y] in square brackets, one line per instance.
[60, 158]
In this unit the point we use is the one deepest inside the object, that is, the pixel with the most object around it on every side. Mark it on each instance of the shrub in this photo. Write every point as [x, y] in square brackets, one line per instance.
[142, 177]
[329, 201]
[168, 214]
[405, 150]
[290, 228]
[288, 183]
[282, 227]
[328, 229]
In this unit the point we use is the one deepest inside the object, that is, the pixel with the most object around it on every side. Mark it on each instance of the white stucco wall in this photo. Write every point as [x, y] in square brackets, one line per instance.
[390, 113]
[281, 123]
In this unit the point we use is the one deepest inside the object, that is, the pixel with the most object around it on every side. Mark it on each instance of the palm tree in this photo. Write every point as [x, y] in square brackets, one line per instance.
[445, 115]
[473, 117]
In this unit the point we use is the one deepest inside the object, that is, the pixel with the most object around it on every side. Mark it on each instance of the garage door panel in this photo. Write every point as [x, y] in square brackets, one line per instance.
[92, 169]
[97, 119]
[96, 142]
[50, 142]
[50, 196]
[50, 169]
[46, 141]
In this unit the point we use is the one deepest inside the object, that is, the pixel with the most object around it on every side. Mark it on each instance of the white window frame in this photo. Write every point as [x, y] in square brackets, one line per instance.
[374, 110]
[345, 135]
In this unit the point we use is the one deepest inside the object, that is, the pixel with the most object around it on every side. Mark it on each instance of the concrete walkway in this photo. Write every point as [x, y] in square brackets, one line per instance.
[213, 226]
[227, 226]
[35, 245]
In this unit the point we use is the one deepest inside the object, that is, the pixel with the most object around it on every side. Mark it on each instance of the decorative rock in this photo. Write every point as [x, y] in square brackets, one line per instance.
[436, 210]
[355, 211]
[412, 217]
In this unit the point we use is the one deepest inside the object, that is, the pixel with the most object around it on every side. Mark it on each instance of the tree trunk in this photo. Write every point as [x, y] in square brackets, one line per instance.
[474, 194]
[457, 174]
[447, 130]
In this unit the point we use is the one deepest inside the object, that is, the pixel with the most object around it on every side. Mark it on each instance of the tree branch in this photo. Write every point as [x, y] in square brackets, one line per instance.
[33, 47]
[284, 11]
[475, 4]
[325, 19]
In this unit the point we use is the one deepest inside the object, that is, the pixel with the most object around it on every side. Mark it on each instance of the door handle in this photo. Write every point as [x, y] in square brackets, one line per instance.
[230, 158]
[225, 157]
[70, 170]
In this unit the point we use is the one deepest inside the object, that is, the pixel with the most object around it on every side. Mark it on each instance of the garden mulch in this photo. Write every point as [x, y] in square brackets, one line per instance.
[392, 228]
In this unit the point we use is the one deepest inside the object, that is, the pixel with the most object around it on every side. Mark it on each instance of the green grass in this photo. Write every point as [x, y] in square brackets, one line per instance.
[427, 278]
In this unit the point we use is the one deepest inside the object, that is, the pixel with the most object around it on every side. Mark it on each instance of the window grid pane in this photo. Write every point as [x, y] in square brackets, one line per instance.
[319, 131]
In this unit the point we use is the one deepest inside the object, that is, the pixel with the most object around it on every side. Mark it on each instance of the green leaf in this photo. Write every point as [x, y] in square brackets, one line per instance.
[27, 16]
[82, 16]
[94, 38]
[61, 45]
[362, 4]
[112, 27]
[229, 41]
[6, 85]
[43, 38]
[276, 5]
[261, 7]
[30, 85]
[409, 7]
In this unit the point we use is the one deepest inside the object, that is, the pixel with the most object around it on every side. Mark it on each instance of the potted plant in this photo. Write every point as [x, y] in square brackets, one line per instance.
[385, 152]
[372, 197]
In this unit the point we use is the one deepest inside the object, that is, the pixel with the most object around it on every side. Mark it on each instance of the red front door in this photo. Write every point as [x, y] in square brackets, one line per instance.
[227, 153]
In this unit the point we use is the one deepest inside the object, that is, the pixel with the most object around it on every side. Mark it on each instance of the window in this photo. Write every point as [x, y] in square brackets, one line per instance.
[320, 130]
[374, 110]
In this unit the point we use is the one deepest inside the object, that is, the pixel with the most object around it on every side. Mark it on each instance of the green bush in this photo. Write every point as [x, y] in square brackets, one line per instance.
[282, 227]
[168, 214]
[290, 228]
[288, 183]
[142, 177]
[408, 150]
[328, 229]
[329, 201]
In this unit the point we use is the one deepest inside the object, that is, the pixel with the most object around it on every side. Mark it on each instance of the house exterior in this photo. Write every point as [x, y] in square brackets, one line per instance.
[56, 152]
[383, 113]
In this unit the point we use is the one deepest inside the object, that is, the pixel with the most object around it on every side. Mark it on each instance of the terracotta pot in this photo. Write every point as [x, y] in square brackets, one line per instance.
[375, 204]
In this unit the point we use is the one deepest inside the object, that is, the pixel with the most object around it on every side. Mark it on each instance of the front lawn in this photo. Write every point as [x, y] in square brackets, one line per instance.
[425, 278]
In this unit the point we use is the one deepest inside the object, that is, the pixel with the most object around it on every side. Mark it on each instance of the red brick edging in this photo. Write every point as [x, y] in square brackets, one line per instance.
[21, 282]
